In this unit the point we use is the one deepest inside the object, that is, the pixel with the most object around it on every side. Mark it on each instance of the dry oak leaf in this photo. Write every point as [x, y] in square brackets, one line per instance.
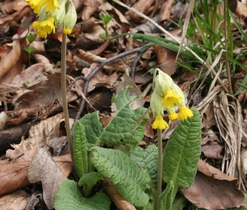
[212, 189]
[14, 201]
[11, 59]
[13, 176]
[44, 169]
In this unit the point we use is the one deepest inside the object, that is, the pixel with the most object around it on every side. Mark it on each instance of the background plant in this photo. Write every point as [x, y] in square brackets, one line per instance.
[106, 18]
[29, 49]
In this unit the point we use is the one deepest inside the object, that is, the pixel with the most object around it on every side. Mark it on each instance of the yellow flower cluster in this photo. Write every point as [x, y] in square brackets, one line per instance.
[167, 95]
[52, 14]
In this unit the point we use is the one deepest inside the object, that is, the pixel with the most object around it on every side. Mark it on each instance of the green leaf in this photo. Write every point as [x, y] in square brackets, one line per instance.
[166, 197]
[68, 197]
[147, 160]
[106, 18]
[127, 126]
[80, 149]
[30, 37]
[29, 50]
[182, 152]
[89, 180]
[124, 173]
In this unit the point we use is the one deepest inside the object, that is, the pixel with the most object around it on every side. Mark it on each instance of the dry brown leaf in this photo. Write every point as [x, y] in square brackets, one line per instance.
[12, 60]
[165, 10]
[89, 7]
[166, 59]
[118, 16]
[125, 81]
[31, 76]
[143, 6]
[100, 79]
[13, 176]
[14, 201]
[37, 137]
[211, 148]
[116, 196]
[44, 169]
[213, 189]
[208, 116]
[239, 8]
[16, 5]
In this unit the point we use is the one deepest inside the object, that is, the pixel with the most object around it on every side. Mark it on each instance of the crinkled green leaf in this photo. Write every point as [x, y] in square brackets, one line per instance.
[90, 179]
[130, 181]
[80, 149]
[93, 128]
[126, 126]
[68, 197]
[166, 197]
[182, 152]
[147, 160]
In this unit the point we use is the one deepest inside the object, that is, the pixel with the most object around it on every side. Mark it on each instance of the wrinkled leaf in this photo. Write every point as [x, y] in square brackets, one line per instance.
[127, 126]
[69, 197]
[90, 179]
[80, 149]
[124, 173]
[182, 152]
[165, 199]
[147, 160]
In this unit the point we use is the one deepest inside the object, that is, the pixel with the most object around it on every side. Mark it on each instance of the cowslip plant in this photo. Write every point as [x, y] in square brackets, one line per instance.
[53, 14]
[133, 170]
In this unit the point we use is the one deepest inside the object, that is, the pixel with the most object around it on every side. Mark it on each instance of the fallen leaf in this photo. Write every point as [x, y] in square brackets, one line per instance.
[44, 169]
[12, 60]
[14, 201]
[212, 189]
[13, 176]
[166, 59]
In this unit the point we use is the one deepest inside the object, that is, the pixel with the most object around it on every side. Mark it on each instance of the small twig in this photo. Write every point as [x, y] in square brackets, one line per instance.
[133, 68]
[99, 67]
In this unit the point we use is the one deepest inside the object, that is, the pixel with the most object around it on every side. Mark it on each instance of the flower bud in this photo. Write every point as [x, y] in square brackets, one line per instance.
[69, 19]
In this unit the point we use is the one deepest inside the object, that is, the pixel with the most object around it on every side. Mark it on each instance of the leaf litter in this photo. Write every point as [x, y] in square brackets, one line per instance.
[30, 92]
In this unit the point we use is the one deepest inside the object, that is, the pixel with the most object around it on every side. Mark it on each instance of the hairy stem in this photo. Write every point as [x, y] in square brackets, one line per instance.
[159, 187]
[64, 95]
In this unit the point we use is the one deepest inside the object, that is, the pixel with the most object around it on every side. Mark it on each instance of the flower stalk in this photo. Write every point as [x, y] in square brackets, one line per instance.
[51, 15]
[64, 95]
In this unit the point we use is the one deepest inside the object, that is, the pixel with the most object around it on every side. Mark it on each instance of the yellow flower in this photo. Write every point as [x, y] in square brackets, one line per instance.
[172, 115]
[167, 95]
[171, 98]
[48, 25]
[50, 5]
[45, 27]
[159, 123]
[35, 5]
[184, 113]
